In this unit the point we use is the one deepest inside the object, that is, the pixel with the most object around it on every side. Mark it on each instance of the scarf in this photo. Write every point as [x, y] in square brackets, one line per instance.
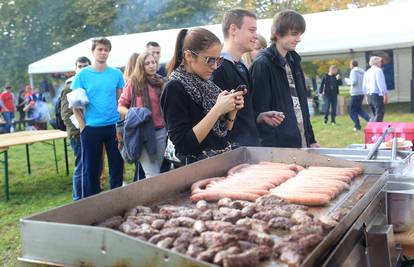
[156, 82]
[204, 93]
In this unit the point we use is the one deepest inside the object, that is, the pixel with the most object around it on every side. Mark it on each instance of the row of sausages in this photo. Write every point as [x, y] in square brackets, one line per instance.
[314, 185]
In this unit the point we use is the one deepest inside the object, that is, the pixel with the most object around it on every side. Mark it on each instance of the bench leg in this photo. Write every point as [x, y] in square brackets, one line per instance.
[66, 156]
[28, 159]
[6, 175]
[54, 153]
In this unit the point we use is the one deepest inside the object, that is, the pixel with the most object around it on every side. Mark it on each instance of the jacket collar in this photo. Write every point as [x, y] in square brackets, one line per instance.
[274, 55]
[229, 58]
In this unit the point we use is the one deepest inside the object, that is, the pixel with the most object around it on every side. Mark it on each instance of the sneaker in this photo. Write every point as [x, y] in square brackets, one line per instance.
[325, 123]
[333, 123]
[356, 129]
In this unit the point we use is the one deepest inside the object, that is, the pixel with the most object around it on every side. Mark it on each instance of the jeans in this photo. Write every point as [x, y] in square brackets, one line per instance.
[152, 164]
[79, 173]
[330, 101]
[8, 117]
[355, 109]
[92, 139]
[376, 103]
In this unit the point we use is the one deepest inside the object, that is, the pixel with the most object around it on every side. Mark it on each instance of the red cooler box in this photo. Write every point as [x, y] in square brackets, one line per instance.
[375, 129]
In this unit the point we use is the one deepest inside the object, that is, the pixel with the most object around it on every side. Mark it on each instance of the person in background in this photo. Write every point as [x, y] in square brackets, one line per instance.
[7, 108]
[129, 69]
[38, 96]
[20, 105]
[79, 172]
[330, 90]
[155, 49]
[197, 112]
[40, 114]
[375, 87]
[239, 30]
[279, 84]
[130, 66]
[259, 45]
[356, 78]
[146, 85]
[97, 121]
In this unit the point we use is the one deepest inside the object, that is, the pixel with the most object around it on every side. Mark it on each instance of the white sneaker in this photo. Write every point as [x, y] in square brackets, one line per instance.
[333, 123]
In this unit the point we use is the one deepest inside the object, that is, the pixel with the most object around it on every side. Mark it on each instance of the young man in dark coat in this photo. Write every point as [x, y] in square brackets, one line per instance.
[279, 84]
[239, 30]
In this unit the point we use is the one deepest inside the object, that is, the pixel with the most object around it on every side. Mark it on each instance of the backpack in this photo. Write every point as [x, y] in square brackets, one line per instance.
[59, 122]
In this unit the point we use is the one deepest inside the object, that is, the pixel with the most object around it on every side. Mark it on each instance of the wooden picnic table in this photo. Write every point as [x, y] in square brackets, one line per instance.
[27, 138]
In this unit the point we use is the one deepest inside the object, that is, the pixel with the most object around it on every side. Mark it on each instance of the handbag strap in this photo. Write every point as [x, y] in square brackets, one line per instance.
[133, 97]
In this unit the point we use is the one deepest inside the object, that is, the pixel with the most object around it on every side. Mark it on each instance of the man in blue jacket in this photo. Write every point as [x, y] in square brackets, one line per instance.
[279, 84]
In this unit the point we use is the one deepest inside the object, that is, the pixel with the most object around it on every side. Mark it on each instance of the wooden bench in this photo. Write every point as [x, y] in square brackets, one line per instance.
[27, 138]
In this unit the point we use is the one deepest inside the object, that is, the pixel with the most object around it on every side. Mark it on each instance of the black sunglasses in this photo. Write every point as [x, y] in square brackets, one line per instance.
[210, 61]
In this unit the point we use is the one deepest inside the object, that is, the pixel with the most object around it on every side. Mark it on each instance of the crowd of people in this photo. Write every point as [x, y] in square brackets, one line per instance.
[210, 97]
[31, 106]
[370, 83]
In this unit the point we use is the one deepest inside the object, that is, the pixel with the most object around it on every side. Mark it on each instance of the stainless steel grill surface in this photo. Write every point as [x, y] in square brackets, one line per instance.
[65, 236]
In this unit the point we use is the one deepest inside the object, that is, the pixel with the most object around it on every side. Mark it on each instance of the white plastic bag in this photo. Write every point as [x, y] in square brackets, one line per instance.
[78, 98]
[74, 121]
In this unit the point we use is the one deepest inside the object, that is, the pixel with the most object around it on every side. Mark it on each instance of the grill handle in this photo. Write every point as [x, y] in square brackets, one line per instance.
[394, 149]
[374, 149]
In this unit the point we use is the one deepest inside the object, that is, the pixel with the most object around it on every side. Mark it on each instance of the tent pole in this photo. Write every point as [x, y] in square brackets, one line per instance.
[31, 80]
[412, 80]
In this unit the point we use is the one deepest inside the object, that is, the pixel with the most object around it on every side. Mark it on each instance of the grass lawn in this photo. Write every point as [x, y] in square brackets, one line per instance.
[45, 188]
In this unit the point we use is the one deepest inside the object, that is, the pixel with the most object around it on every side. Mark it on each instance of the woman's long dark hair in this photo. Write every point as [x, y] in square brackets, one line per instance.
[196, 40]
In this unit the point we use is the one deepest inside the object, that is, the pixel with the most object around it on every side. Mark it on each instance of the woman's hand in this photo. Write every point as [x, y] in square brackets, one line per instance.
[227, 102]
[239, 100]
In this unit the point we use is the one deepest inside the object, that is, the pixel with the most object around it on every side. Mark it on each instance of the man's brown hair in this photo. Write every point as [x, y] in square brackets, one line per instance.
[285, 21]
[235, 16]
[103, 41]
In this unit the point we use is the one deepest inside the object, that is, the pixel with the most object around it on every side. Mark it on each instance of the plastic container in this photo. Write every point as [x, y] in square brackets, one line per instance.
[373, 131]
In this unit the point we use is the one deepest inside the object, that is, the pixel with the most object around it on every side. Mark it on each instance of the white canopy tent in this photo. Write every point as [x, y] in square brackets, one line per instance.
[330, 34]
[333, 32]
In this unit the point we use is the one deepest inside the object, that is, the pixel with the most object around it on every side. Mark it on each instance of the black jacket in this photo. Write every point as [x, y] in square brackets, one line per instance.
[244, 130]
[271, 92]
[330, 85]
[181, 114]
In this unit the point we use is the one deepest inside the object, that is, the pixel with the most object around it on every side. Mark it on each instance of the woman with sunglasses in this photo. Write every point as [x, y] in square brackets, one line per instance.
[197, 112]
[145, 85]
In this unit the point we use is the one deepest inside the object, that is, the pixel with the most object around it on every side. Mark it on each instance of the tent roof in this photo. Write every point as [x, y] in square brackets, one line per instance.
[331, 32]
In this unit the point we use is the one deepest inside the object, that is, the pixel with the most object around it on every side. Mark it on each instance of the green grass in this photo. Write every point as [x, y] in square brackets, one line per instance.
[45, 188]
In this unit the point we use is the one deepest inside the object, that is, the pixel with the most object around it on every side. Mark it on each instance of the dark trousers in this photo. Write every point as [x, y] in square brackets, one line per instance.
[376, 103]
[355, 110]
[92, 139]
[331, 102]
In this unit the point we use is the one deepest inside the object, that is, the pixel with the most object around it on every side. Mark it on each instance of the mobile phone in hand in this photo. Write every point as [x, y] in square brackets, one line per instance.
[241, 87]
